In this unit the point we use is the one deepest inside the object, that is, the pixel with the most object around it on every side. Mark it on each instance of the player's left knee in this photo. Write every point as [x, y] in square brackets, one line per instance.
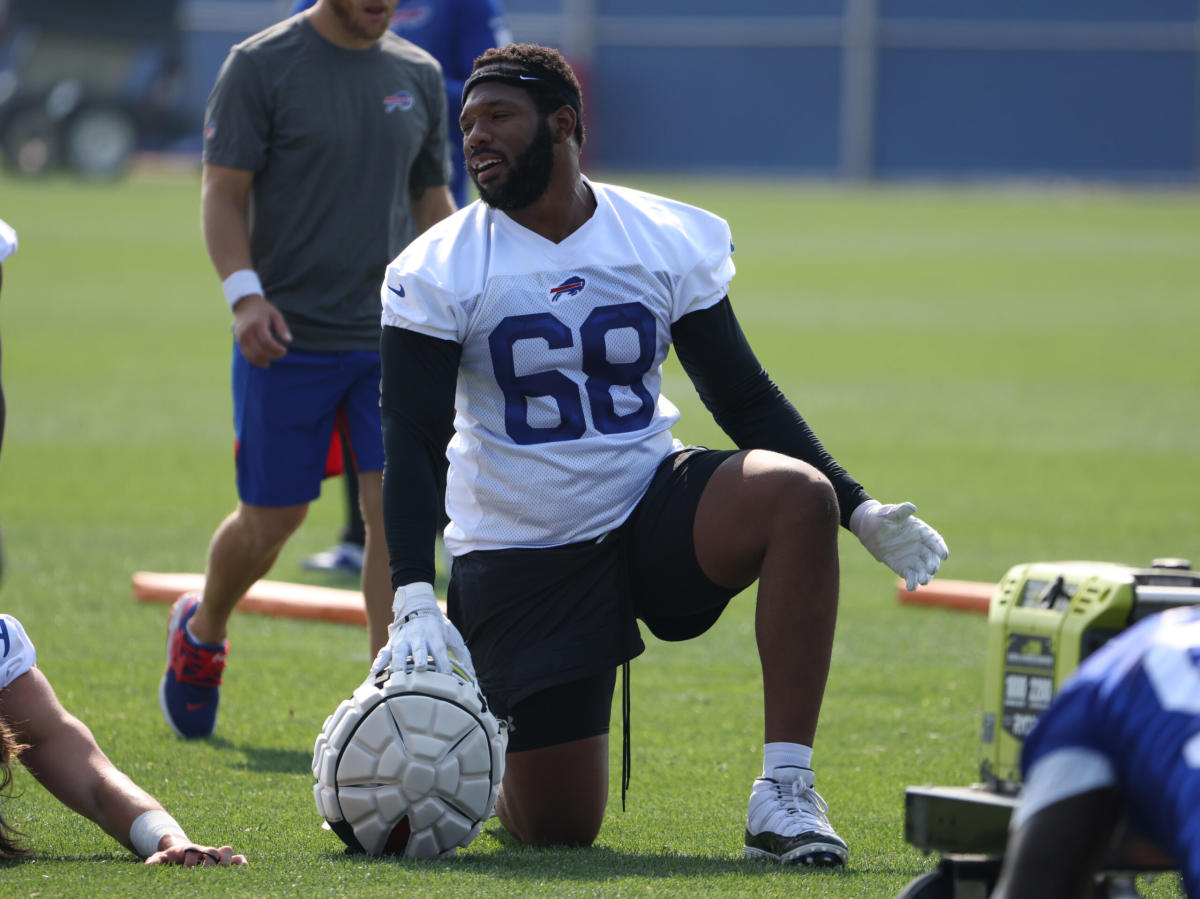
[557, 832]
[807, 500]
[567, 824]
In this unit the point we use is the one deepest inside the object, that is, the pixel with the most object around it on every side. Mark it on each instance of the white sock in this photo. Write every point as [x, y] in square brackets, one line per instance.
[785, 755]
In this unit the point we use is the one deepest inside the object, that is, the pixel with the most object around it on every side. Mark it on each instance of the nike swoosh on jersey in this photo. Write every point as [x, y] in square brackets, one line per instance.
[193, 706]
[399, 291]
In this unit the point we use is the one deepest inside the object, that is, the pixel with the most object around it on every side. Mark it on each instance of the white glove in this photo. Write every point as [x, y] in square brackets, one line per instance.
[900, 540]
[421, 630]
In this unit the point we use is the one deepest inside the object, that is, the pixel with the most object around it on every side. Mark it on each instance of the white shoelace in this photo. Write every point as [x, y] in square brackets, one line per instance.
[798, 808]
[805, 797]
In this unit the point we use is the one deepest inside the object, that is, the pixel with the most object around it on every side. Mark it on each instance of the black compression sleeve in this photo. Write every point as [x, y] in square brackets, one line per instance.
[744, 400]
[417, 404]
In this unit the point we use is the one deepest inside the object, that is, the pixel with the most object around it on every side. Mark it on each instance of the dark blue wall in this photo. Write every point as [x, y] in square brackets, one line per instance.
[925, 88]
[1087, 114]
[1044, 10]
[685, 108]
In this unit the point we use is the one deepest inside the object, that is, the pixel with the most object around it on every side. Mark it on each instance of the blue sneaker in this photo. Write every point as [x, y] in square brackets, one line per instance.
[343, 557]
[190, 688]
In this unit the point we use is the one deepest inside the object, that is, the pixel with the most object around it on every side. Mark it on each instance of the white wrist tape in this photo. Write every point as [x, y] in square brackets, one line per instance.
[861, 512]
[414, 597]
[241, 283]
[149, 828]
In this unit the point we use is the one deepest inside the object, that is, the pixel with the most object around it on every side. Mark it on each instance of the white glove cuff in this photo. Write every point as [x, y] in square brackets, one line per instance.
[412, 598]
[242, 283]
[149, 828]
[857, 516]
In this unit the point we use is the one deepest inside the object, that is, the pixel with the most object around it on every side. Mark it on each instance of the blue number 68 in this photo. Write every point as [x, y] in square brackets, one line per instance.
[602, 374]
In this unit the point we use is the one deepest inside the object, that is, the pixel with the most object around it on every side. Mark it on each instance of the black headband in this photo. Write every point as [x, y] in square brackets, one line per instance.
[530, 79]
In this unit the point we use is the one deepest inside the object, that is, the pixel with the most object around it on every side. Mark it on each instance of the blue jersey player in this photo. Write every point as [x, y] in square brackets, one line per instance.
[454, 32]
[1119, 744]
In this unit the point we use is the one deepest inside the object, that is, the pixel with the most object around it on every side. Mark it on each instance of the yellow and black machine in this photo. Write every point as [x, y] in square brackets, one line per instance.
[1044, 618]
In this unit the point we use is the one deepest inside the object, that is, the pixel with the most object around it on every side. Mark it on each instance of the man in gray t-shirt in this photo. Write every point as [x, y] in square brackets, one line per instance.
[324, 154]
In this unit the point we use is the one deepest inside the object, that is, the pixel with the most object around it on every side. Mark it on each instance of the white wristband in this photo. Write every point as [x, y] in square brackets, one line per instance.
[149, 828]
[860, 513]
[241, 283]
[413, 597]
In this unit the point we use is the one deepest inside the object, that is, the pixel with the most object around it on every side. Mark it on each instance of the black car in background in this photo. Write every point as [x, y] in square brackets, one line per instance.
[84, 84]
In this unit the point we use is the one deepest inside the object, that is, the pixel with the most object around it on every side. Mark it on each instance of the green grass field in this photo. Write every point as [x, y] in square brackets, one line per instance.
[1019, 363]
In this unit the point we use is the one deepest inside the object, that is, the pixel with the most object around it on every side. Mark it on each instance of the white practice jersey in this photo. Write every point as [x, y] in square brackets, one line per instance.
[16, 651]
[8, 240]
[559, 422]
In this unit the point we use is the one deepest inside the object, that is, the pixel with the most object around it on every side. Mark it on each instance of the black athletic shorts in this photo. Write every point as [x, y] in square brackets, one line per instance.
[565, 617]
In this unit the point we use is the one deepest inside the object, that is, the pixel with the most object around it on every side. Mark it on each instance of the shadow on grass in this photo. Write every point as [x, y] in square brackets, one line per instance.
[598, 864]
[591, 864]
[274, 761]
[115, 858]
[350, 580]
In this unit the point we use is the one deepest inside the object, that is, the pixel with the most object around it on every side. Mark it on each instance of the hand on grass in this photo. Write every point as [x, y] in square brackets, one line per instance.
[191, 855]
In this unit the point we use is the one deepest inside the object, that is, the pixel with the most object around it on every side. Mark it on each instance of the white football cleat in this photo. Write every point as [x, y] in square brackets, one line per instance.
[788, 823]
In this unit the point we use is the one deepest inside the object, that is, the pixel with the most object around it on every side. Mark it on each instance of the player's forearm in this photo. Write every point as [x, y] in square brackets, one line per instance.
[69, 763]
[431, 206]
[227, 237]
[417, 407]
[410, 505]
[117, 803]
[131, 816]
[226, 224]
[3, 413]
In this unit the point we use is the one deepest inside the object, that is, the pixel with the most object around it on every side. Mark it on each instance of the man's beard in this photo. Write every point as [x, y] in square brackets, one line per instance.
[346, 16]
[528, 177]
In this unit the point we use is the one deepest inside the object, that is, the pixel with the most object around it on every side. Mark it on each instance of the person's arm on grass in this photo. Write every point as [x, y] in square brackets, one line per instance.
[8, 246]
[62, 754]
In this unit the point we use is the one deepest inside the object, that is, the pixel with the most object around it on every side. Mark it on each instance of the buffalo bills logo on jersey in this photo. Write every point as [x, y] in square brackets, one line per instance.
[569, 288]
[410, 17]
[398, 100]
